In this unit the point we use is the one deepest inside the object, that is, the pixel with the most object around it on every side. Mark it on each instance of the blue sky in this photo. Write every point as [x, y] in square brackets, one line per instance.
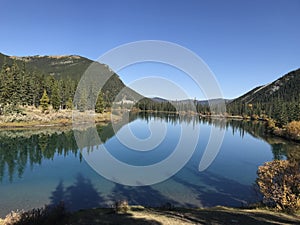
[245, 43]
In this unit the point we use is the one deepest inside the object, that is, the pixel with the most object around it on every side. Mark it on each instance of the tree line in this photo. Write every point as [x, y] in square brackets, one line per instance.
[20, 87]
[278, 109]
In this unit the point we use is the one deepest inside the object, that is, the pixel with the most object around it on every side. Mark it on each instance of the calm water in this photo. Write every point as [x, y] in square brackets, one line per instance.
[45, 166]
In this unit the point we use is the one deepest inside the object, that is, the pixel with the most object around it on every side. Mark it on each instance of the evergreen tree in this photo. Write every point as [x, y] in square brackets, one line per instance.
[6, 90]
[3, 87]
[99, 108]
[44, 101]
[23, 85]
[15, 84]
[36, 89]
[55, 97]
[69, 104]
[82, 101]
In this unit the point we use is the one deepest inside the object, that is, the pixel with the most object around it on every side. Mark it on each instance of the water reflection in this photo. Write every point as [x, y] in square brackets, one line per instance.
[19, 148]
[50, 160]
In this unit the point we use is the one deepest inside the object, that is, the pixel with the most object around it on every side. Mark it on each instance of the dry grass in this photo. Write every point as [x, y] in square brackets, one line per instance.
[149, 216]
[33, 117]
[216, 216]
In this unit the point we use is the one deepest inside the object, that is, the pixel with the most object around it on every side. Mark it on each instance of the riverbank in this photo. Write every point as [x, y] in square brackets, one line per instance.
[177, 216]
[32, 117]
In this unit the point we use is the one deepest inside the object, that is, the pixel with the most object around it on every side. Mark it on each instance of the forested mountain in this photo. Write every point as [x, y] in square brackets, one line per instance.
[279, 100]
[286, 88]
[71, 66]
[52, 80]
[24, 79]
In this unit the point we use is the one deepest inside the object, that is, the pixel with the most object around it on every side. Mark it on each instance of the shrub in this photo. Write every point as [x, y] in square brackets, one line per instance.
[121, 206]
[254, 117]
[279, 182]
[271, 125]
[47, 216]
[293, 130]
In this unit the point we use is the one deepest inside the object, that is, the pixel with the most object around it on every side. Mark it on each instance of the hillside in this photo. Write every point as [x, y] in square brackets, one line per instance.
[67, 68]
[71, 66]
[278, 100]
[58, 66]
[286, 88]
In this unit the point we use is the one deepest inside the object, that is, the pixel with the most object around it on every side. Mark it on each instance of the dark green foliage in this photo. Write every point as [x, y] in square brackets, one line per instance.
[12, 88]
[7, 85]
[99, 108]
[23, 80]
[82, 101]
[149, 104]
[55, 97]
[279, 100]
[69, 104]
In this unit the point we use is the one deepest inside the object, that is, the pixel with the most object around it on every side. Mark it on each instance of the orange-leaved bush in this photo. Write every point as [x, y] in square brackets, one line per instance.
[293, 130]
[279, 182]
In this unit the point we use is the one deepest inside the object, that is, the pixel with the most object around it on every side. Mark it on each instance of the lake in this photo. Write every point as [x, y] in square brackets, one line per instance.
[44, 166]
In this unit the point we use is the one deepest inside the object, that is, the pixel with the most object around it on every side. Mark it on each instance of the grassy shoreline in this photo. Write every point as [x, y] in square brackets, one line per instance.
[35, 118]
[32, 117]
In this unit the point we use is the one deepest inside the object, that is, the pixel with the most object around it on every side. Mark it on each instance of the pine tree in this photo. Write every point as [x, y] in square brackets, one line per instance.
[15, 84]
[69, 104]
[3, 87]
[82, 101]
[55, 97]
[23, 91]
[99, 108]
[6, 90]
[44, 101]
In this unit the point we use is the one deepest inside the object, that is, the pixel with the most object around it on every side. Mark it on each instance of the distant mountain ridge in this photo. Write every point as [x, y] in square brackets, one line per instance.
[279, 100]
[72, 67]
[286, 88]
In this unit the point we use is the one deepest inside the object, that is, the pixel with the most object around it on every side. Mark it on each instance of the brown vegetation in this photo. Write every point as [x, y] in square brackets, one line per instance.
[279, 182]
[293, 130]
[34, 117]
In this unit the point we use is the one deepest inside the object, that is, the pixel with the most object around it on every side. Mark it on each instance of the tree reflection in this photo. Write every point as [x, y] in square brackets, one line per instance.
[22, 148]
[19, 149]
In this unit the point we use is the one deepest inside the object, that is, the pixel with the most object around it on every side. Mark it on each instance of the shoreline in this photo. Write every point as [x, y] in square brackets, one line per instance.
[34, 118]
[177, 216]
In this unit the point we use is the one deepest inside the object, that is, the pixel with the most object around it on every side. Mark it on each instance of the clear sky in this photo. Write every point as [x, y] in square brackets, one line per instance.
[245, 43]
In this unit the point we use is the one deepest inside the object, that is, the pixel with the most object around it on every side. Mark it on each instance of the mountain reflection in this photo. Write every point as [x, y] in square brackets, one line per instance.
[22, 148]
